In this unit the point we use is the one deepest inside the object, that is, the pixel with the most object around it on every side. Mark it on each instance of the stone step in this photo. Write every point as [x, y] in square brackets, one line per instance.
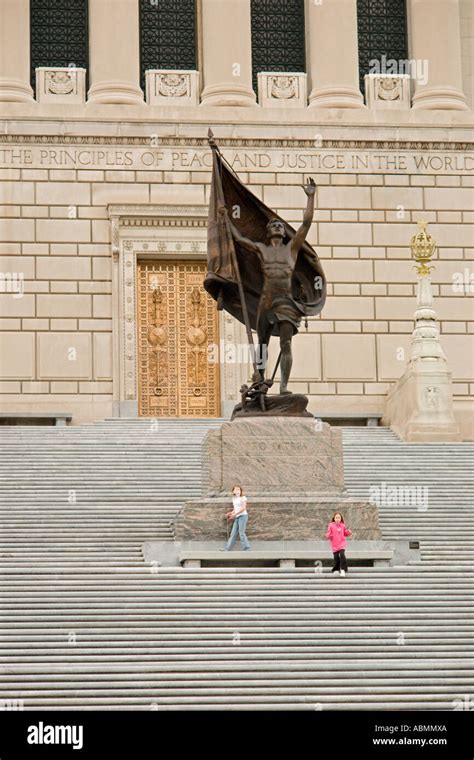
[270, 613]
[173, 637]
[81, 654]
[253, 685]
[133, 586]
[197, 704]
[372, 669]
[293, 598]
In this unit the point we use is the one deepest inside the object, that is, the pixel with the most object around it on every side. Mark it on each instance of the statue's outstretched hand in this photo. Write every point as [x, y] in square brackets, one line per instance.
[310, 187]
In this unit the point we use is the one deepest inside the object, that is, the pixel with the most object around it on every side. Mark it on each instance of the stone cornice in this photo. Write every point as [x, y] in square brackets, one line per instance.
[163, 222]
[162, 215]
[243, 142]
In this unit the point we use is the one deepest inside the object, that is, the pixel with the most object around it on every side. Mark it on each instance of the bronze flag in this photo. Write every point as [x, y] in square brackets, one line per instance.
[251, 217]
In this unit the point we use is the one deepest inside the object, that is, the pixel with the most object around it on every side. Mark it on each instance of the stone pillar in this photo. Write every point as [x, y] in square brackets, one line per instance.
[227, 53]
[435, 36]
[419, 407]
[15, 51]
[114, 52]
[332, 27]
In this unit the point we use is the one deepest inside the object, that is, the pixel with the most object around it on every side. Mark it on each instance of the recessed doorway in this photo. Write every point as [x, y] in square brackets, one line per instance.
[177, 322]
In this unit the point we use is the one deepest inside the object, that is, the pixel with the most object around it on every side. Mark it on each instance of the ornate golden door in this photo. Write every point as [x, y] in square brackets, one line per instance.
[177, 322]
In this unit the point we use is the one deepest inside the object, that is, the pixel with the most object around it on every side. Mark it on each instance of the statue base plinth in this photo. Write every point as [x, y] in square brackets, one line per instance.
[278, 518]
[419, 407]
[291, 470]
[281, 405]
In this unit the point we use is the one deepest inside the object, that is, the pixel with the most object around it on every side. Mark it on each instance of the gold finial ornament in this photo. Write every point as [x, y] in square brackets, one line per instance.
[423, 247]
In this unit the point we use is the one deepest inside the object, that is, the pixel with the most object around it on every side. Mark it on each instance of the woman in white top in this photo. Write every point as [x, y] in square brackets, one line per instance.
[240, 517]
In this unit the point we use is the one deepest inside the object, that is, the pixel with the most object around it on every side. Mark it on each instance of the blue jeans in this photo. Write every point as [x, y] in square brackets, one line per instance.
[240, 523]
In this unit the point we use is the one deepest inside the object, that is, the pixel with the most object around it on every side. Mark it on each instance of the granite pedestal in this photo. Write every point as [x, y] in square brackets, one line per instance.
[291, 470]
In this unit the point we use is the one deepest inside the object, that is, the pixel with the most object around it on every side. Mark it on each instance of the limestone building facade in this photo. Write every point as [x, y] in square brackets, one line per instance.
[105, 175]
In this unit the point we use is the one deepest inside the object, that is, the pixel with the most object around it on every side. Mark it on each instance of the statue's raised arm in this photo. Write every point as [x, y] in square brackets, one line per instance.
[300, 237]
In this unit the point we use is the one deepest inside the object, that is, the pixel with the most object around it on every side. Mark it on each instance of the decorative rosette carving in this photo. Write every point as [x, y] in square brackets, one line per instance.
[60, 82]
[389, 88]
[283, 87]
[173, 85]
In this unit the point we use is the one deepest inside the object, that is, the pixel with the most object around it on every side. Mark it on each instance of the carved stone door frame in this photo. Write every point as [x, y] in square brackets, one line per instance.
[148, 231]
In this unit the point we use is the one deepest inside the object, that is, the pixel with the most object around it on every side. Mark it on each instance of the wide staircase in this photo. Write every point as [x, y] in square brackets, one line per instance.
[86, 624]
[424, 491]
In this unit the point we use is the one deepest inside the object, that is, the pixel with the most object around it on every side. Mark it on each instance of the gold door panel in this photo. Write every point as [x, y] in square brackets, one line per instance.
[177, 321]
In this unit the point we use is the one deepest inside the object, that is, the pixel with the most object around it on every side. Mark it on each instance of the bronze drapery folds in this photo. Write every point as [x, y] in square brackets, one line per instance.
[225, 259]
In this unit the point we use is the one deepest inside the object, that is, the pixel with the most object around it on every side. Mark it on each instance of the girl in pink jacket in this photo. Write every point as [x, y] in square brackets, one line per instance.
[337, 533]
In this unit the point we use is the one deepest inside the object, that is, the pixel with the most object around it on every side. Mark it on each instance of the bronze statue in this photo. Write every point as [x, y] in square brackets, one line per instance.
[265, 274]
[277, 307]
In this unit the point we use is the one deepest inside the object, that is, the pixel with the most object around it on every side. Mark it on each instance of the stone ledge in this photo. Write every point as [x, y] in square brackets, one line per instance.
[162, 554]
[60, 418]
[284, 558]
[98, 115]
[372, 419]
